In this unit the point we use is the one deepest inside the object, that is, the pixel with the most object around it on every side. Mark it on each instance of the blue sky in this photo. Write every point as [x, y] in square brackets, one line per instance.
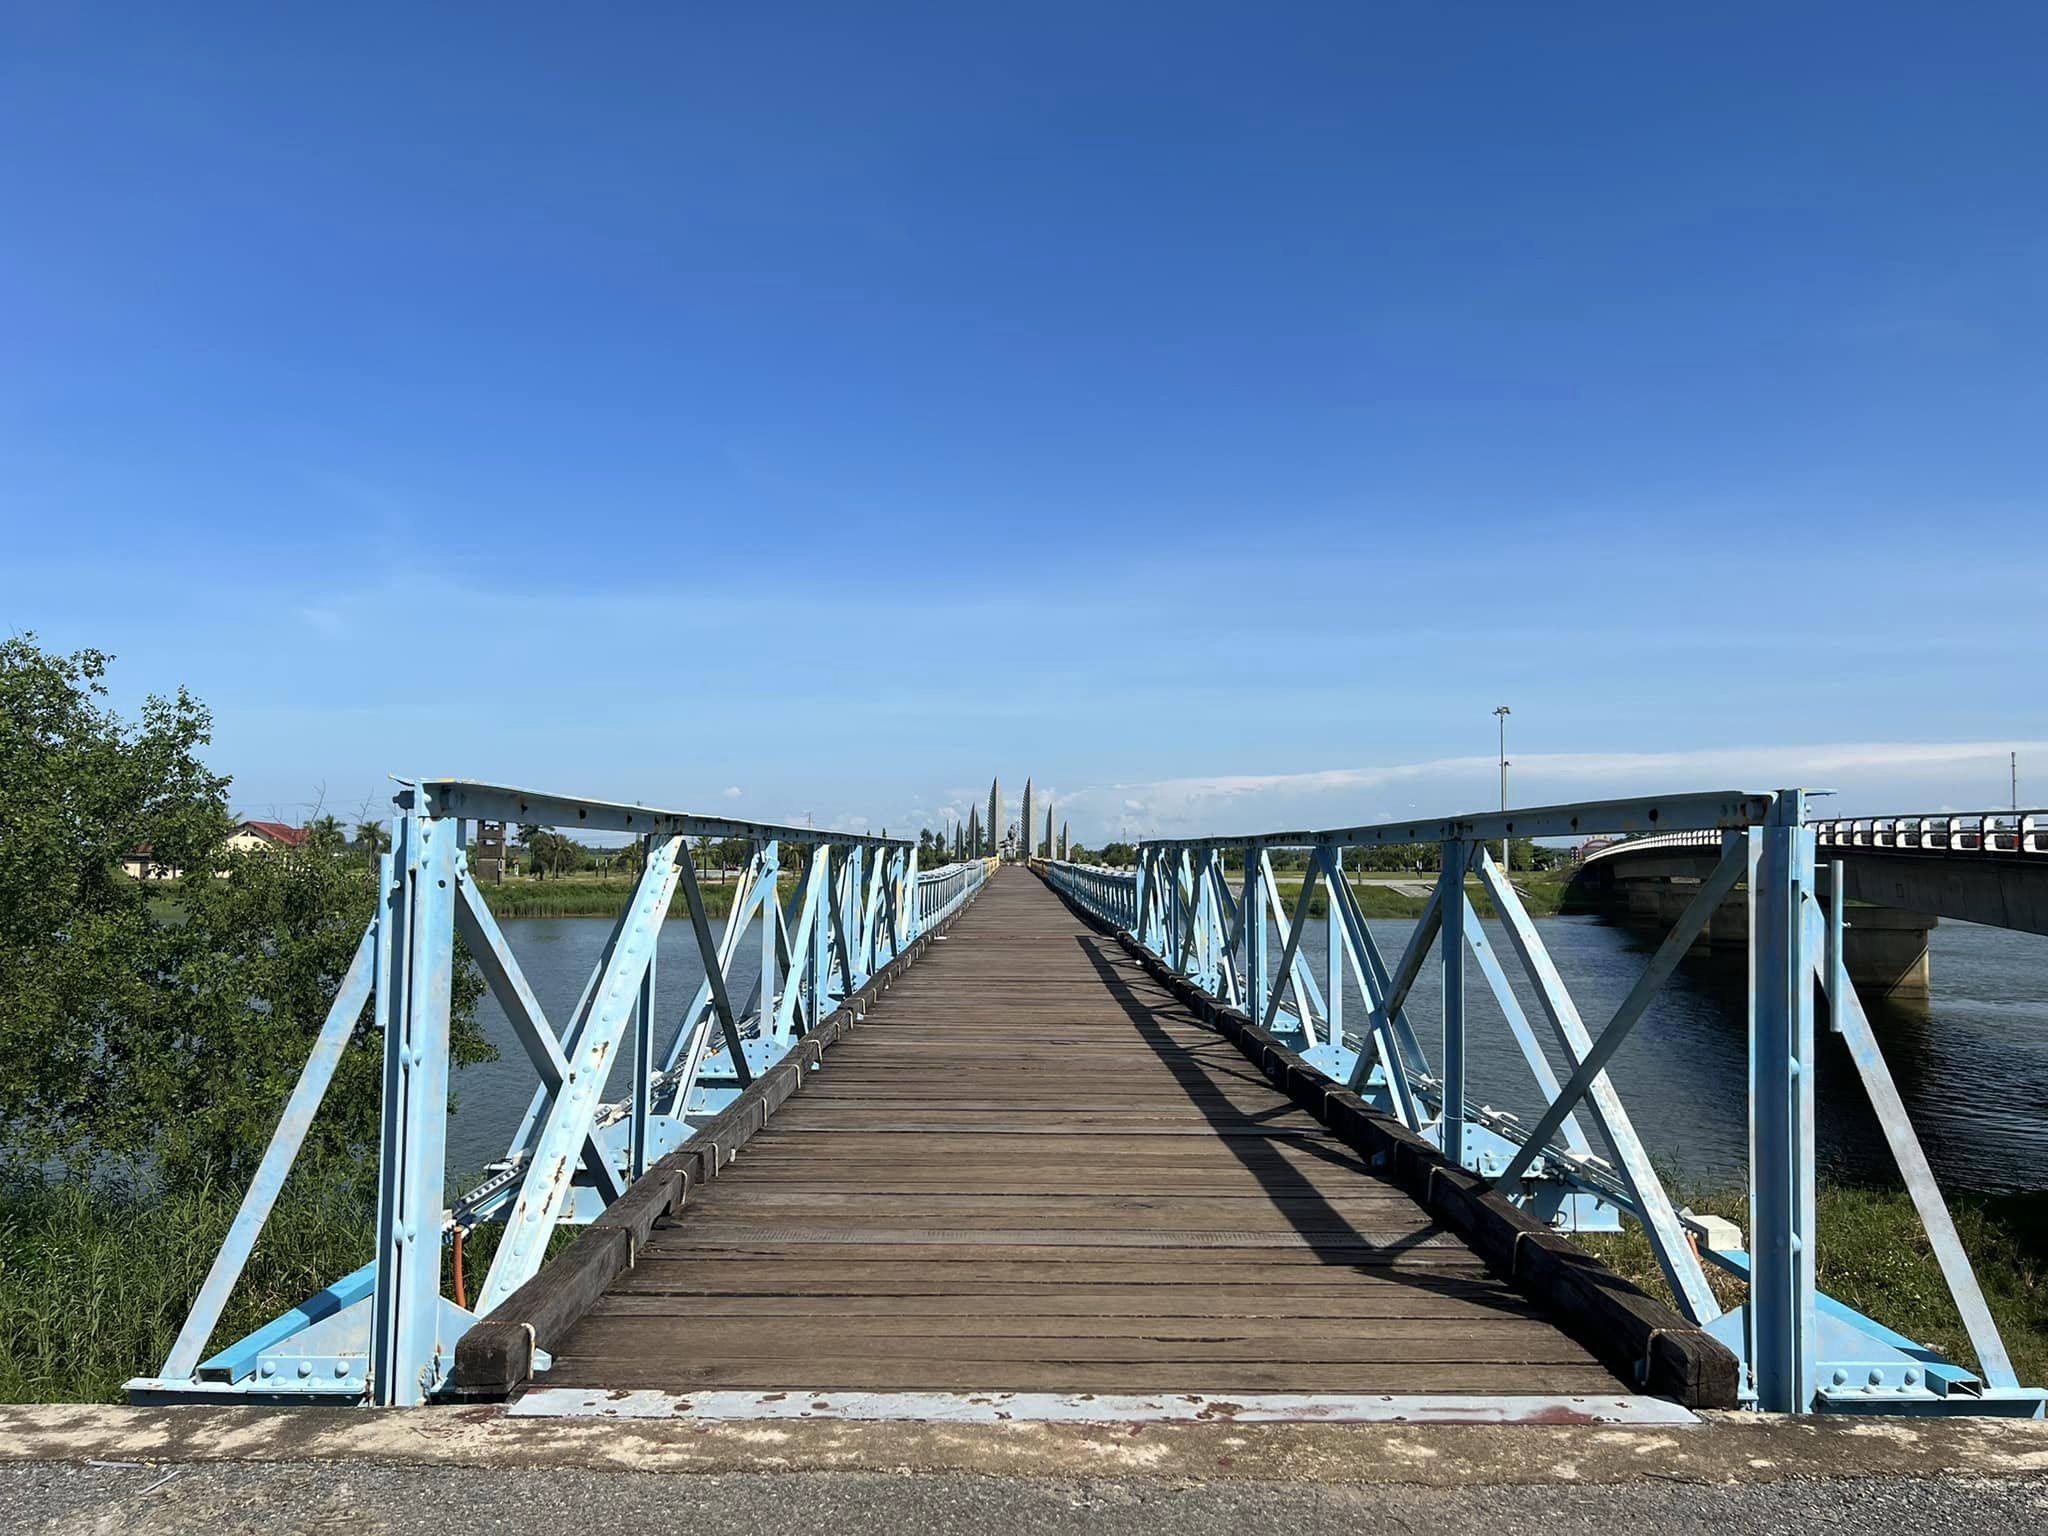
[1213, 412]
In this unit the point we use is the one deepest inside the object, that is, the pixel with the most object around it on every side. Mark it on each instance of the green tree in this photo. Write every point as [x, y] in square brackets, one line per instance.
[126, 1036]
[373, 838]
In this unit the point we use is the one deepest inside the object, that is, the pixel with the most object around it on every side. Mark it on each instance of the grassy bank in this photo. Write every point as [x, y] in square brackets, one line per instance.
[95, 1283]
[1543, 895]
[1874, 1257]
[600, 896]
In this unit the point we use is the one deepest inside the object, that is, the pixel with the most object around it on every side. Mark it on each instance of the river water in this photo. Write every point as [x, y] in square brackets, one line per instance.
[1971, 1065]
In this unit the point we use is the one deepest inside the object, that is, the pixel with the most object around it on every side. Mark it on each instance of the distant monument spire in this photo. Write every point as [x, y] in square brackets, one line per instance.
[1066, 841]
[1050, 851]
[994, 828]
[1025, 847]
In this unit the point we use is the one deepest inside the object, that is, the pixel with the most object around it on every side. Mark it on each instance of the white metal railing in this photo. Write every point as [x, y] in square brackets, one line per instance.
[2008, 834]
[1992, 834]
[1110, 894]
[941, 892]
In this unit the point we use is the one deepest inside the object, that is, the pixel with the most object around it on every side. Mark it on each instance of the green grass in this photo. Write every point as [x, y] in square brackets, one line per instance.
[1874, 1257]
[599, 896]
[95, 1281]
[1543, 895]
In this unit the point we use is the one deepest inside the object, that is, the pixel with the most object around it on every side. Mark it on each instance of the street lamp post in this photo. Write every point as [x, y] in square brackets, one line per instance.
[1501, 715]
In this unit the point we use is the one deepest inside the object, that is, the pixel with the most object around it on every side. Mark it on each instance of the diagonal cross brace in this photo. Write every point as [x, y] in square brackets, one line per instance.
[1518, 1021]
[1854, 1026]
[1295, 928]
[1294, 971]
[714, 973]
[1674, 1253]
[479, 929]
[277, 1161]
[1393, 990]
[545, 1191]
[1357, 943]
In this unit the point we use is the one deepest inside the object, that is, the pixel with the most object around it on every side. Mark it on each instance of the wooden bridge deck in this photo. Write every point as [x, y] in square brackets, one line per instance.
[1030, 1170]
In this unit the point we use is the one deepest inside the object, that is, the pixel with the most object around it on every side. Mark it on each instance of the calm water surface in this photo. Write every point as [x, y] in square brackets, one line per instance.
[1972, 1065]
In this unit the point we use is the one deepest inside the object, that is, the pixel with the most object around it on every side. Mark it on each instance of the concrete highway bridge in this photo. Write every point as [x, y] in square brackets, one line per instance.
[1900, 874]
[1039, 1141]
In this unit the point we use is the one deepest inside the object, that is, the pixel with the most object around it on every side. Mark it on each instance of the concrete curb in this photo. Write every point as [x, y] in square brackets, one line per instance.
[1727, 1448]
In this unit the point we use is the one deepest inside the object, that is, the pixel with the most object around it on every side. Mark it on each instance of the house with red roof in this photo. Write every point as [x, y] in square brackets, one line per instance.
[252, 835]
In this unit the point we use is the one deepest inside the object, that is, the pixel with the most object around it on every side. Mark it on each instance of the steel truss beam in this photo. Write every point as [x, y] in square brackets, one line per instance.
[1802, 1350]
[385, 1333]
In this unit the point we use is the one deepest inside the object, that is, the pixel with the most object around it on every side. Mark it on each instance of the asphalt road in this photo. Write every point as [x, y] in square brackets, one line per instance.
[226, 1498]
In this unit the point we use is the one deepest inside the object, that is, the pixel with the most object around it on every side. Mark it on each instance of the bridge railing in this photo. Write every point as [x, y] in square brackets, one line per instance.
[386, 1333]
[1111, 894]
[1996, 834]
[2011, 834]
[1801, 1350]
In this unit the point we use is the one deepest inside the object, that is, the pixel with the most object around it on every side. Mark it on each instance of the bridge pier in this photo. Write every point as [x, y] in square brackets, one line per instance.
[1885, 948]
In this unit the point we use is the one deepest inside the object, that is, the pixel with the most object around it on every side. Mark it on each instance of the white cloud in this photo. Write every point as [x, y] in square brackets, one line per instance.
[1866, 778]
[732, 792]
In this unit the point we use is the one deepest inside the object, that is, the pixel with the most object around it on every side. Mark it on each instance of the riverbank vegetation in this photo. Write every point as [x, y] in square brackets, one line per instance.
[604, 896]
[145, 1054]
[1875, 1257]
[1544, 893]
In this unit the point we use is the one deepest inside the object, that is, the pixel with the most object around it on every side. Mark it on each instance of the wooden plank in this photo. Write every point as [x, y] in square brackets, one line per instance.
[827, 1373]
[1268, 1341]
[1076, 1303]
[1028, 1168]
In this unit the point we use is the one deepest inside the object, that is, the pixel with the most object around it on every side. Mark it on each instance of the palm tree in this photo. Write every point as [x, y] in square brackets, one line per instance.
[372, 837]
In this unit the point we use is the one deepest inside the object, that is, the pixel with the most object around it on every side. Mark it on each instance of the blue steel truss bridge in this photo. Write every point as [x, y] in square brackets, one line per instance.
[1041, 1140]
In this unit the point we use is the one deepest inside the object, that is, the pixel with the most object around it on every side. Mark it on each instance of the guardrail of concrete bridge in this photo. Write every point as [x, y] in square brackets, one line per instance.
[1987, 834]
[386, 1333]
[1187, 902]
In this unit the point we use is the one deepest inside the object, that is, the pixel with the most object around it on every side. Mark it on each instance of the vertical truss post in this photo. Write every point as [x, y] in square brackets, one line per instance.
[767, 856]
[821, 933]
[415, 978]
[643, 1052]
[1783, 1344]
[1451, 955]
[903, 922]
[1176, 898]
[1332, 859]
[1209, 920]
[1229, 920]
[1141, 919]
[1254, 910]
